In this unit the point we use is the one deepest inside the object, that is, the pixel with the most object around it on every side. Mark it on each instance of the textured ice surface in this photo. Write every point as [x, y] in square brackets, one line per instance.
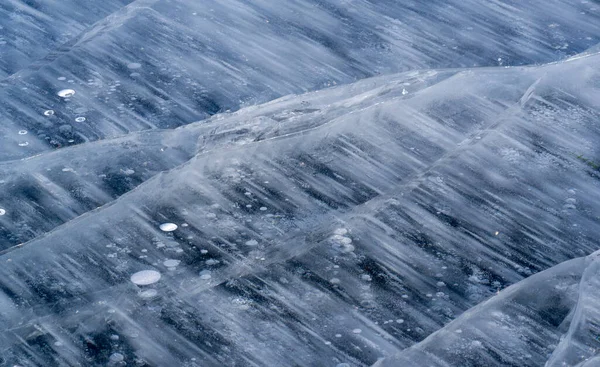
[166, 63]
[365, 223]
[387, 216]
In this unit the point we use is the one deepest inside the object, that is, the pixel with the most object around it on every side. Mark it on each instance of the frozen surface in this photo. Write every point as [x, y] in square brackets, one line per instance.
[166, 63]
[445, 213]
[344, 225]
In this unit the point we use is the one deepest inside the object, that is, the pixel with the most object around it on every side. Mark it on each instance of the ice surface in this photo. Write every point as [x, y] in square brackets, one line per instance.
[166, 63]
[445, 213]
[387, 216]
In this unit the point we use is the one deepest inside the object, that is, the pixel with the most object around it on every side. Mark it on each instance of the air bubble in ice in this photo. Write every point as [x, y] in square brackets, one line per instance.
[23, 143]
[116, 358]
[61, 78]
[149, 293]
[252, 243]
[134, 65]
[80, 119]
[2, 211]
[66, 93]
[145, 277]
[22, 132]
[205, 275]
[48, 112]
[366, 277]
[168, 227]
[357, 331]
[340, 231]
[171, 263]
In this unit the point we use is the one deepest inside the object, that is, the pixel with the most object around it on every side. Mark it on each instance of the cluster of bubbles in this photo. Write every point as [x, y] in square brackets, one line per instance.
[341, 241]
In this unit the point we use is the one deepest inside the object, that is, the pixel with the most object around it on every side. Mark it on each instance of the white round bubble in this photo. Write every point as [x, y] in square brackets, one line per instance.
[48, 112]
[22, 132]
[340, 231]
[145, 277]
[80, 119]
[252, 243]
[170, 263]
[2, 211]
[149, 293]
[116, 358]
[66, 93]
[23, 143]
[168, 227]
[205, 275]
[134, 65]
[61, 78]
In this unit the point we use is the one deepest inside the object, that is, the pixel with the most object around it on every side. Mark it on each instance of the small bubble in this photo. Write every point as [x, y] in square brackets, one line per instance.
[116, 358]
[66, 93]
[205, 275]
[168, 227]
[340, 231]
[145, 277]
[61, 78]
[2, 211]
[80, 119]
[252, 243]
[23, 143]
[263, 208]
[134, 65]
[22, 132]
[171, 263]
[357, 331]
[149, 293]
[48, 112]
